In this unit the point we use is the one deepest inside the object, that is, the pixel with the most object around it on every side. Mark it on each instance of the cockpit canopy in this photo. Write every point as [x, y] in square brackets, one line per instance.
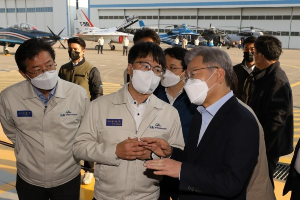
[24, 27]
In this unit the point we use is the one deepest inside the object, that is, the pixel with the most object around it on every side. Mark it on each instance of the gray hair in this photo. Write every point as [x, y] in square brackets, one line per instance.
[214, 57]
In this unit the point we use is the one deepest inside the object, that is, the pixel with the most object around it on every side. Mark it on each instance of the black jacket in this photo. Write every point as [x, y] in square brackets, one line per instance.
[220, 166]
[242, 75]
[271, 99]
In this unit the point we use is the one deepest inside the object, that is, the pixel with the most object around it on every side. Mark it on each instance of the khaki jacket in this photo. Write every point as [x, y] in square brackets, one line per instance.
[109, 122]
[260, 186]
[43, 136]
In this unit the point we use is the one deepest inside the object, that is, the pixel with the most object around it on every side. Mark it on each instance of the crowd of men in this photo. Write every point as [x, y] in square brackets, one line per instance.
[186, 125]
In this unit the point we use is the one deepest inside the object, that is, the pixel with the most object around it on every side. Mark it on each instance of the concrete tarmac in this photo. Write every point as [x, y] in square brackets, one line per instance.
[111, 65]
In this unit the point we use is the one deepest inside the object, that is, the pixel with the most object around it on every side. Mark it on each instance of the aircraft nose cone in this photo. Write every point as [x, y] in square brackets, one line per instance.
[56, 37]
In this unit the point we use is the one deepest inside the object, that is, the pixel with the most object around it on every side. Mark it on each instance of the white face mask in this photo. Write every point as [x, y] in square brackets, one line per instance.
[170, 79]
[197, 90]
[145, 82]
[46, 82]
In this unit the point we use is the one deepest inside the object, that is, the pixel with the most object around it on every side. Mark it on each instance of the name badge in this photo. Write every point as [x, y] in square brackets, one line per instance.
[24, 113]
[114, 122]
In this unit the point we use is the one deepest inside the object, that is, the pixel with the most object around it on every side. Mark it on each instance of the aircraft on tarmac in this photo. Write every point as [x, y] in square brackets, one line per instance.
[20, 32]
[111, 35]
[179, 31]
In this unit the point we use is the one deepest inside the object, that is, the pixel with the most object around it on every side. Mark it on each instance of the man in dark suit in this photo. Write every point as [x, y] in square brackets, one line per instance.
[222, 149]
[268, 92]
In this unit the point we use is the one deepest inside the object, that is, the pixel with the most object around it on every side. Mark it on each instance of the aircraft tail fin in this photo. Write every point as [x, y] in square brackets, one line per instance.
[83, 20]
[142, 24]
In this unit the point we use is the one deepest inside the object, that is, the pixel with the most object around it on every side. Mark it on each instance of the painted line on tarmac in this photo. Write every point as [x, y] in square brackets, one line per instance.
[297, 124]
[295, 84]
[296, 129]
[291, 66]
[296, 135]
[296, 114]
[296, 119]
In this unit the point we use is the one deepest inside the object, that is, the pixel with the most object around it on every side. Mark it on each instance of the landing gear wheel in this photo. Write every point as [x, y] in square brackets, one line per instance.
[112, 47]
[96, 47]
[6, 52]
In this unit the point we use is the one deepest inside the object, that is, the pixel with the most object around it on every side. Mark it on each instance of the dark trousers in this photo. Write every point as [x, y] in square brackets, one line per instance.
[273, 158]
[100, 47]
[89, 166]
[125, 49]
[67, 191]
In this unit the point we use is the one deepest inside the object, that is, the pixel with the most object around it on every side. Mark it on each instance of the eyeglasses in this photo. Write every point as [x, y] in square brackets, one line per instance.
[39, 72]
[192, 73]
[145, 66]
[174, 68]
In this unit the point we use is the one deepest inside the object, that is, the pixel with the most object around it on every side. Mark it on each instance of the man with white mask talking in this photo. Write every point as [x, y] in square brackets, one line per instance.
[223, 144]
[111, 130]
[41, 116]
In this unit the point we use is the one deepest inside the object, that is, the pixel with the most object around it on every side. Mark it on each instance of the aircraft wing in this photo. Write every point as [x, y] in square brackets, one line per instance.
[11, 41]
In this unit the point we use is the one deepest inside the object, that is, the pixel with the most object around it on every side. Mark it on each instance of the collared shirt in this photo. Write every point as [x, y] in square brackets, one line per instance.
[249, 70]
[74, 64]
[42, 96]
[137, 111]
[209, 112]
[170, 98]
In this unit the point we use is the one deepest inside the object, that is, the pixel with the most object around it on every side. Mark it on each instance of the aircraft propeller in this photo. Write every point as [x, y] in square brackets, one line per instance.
[57, 37]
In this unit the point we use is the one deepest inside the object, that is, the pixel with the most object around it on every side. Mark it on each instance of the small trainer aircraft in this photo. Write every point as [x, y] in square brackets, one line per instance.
[88, 32]
[20, 32]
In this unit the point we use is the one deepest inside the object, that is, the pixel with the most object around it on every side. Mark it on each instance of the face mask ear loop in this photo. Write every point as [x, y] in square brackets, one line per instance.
[211, 76]
[180, 75]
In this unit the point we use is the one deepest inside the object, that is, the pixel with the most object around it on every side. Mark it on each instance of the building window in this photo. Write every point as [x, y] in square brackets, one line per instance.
[297, 17]
[161, 30]
[261, 17]
[149, 17]
[180, 17]
[269, 17]
[295, 34]
[155, 17]
[284, 33]
[110, 17]
[253, 17]
[200, 17]
[20, 10]
[2, 10]
[214, 17]
[245, 17]
[142, 17]
[207, 17]
[105, 17]
[187, 17]
[236, 17]
[276, 33]
[174, 17]
[286, 17]
[10, 10]
[167, 17]
[161, 17]
[229, 17]
[193, 17]
[222, 17]
[101, 17]
[278, 17]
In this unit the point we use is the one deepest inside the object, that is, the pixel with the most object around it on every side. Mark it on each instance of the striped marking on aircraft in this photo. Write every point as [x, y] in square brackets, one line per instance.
[15, 35]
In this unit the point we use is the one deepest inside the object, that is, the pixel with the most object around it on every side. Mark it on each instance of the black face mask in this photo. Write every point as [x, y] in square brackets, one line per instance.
[248, 56]
[74, 55]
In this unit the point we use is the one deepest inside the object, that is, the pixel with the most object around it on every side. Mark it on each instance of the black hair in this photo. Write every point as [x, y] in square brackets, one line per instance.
[77, 40]
[269, 46]
[177, 53]
[29, 49]
[250, 39]
[144, 49]
[146, 32]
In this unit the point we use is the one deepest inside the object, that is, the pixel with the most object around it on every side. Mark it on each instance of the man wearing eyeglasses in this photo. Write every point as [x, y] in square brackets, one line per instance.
[171, 91]
[114, 124]
[41, 116]
[224, 144]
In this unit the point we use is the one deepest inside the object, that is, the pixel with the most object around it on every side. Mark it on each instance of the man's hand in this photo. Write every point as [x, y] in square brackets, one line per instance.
[164, 166]
[146, 156]
[159, 146]
[129, 149]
